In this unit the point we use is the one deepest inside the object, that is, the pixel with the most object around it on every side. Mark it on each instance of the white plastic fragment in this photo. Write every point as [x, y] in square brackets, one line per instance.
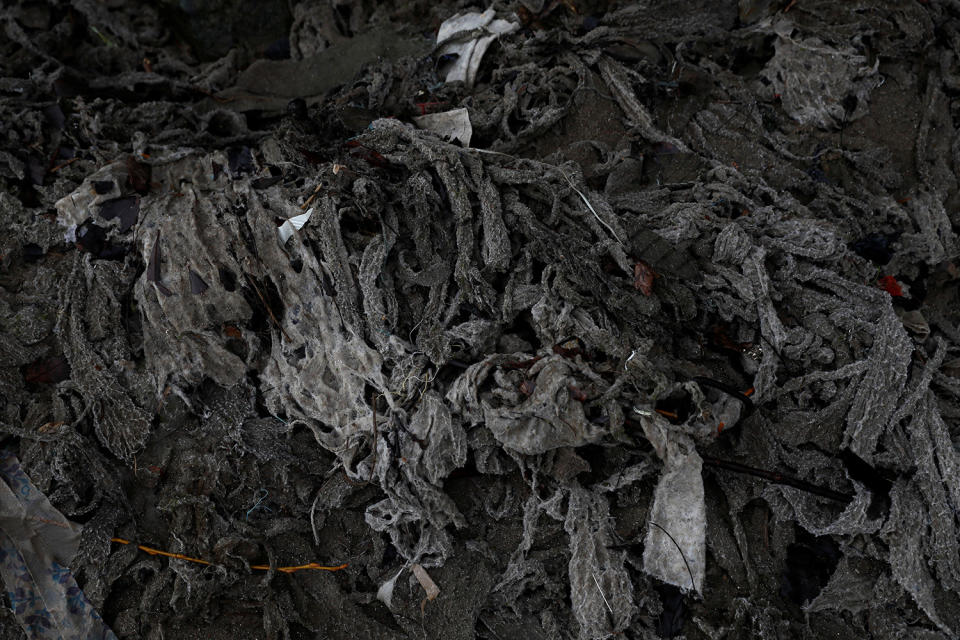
[426, 581]
[385, 592]
[293, 224]
[467, 36]
[449, 125]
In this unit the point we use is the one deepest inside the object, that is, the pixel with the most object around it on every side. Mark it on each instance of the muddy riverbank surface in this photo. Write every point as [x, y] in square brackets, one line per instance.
[548, 319]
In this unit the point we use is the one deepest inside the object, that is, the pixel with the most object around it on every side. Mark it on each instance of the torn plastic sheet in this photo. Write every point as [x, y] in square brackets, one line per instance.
[36, 545]
[675, 545]
[449, 125]
[465, 38]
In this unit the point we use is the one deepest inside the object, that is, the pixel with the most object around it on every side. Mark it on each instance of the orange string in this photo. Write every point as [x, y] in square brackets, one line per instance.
[669, 414]
[312, 565]
[260, 567]
[749, 392]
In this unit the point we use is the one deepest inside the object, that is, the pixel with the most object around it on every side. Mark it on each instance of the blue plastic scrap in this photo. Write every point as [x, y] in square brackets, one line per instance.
[36, 545]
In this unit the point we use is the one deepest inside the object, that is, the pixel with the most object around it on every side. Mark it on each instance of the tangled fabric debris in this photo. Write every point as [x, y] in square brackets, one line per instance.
[547, 319]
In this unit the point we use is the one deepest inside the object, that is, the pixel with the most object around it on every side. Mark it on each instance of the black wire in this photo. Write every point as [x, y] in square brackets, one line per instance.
[693, 584]
[778, 478]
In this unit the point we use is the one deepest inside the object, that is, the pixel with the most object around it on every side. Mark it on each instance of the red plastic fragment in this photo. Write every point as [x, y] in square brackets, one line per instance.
[891, 286]
[643, 276]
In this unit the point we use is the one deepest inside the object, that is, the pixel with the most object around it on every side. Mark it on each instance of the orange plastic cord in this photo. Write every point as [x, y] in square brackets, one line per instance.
[669, 414]
[260, 567]
[749, 392]
[312, 565]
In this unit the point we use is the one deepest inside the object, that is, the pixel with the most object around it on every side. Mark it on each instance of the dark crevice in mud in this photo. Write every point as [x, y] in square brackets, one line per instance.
[811, 560]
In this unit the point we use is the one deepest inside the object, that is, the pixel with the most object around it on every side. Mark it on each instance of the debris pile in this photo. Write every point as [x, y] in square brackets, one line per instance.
[540, 319]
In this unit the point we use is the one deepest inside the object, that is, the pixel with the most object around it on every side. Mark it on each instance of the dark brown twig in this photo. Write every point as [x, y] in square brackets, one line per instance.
[312, 196]
[777, 478]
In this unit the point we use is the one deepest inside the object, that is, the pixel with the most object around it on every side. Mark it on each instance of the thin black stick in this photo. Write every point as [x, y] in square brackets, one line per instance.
[693, 584]
[777, 478]
[266, 305]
